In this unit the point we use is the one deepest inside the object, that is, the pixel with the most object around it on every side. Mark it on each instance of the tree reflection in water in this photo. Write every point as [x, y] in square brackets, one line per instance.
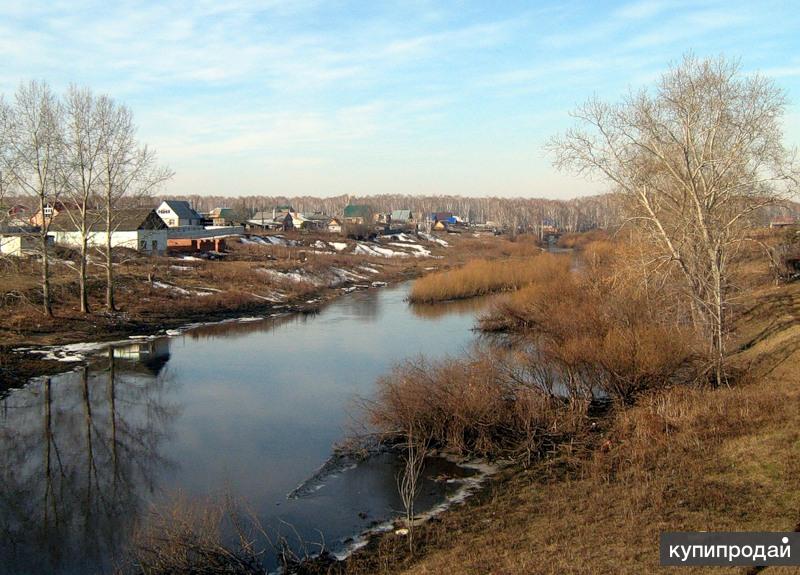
[79, 458]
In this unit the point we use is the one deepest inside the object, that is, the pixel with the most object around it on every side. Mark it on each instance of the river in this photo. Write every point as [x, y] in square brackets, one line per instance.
[245, 411]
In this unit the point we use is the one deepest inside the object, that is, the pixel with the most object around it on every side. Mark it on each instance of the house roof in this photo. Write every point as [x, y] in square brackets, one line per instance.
[182, 209]
[401, 215]
[226, 213]
[259, 216]
[357, 211]
[125, 220]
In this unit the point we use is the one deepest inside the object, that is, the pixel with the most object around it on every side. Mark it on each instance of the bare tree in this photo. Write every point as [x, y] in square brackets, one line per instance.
[694, 158]
[33, 128]
[129, 171]
[83, 148]
[415, 445]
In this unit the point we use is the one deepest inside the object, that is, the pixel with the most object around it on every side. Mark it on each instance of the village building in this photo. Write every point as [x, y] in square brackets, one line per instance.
[335, 226]
[179, 214]
[316, 221]
[222, 217]
[264, 221]
[402, 217]
[358, 214]
[43, 217]
[139, 229]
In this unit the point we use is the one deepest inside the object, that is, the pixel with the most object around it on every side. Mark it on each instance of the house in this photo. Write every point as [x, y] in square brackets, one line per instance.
[402, 217]
[316, 221]
[139, 229]
[358, 214]
[222, 217]
[178, 214]
[51, 210]
[288, 222]
[335, 226]
[264, 221]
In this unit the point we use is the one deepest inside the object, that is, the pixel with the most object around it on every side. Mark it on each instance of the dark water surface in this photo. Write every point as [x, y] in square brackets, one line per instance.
[243, 410]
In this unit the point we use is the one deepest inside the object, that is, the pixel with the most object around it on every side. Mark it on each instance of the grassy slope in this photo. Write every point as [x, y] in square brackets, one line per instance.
[723, 459]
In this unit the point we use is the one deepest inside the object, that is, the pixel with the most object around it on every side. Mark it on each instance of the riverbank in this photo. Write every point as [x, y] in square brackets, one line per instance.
[286, 273]
[682, 458]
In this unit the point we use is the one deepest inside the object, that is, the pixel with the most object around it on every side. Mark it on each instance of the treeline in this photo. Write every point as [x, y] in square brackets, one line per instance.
[77, 150]
[604, 211]
[527, 213]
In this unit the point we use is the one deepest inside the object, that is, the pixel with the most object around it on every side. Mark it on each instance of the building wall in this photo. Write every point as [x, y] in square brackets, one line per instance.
[145, 241]
[15, 245]
[11, 245]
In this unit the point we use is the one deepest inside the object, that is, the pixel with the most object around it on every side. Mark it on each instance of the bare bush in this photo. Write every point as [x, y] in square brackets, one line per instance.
[472, 407]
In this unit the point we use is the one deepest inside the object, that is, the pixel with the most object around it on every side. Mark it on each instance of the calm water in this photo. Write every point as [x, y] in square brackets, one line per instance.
[242, 410]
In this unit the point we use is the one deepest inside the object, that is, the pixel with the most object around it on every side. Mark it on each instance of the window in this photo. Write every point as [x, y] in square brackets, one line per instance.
[143, 245]
[154, 245]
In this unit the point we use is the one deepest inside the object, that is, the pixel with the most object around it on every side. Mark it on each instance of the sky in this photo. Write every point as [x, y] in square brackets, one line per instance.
[306, 97]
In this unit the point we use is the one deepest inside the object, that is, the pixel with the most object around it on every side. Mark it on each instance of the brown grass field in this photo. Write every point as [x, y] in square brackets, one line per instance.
[682, 457]
[483, 276]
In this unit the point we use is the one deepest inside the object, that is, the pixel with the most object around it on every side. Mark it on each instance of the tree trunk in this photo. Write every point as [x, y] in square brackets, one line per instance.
[719, 328]
[110, 306]
[84, 296]
[46, 304]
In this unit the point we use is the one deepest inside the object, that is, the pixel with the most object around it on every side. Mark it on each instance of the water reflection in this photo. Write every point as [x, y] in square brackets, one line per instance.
[77, 457]
[469, 306]
[247, 409]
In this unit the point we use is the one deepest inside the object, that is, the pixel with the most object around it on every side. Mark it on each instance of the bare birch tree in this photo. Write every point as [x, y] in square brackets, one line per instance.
[696, 157]
[83, 148]
[35, 151]
[129, 171]
[415, 445]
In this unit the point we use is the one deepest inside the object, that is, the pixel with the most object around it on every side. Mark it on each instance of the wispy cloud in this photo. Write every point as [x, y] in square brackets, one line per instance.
[318, 88]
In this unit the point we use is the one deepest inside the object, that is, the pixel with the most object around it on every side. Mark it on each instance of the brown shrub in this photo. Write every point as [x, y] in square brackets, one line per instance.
[601, 328]
[473, 407]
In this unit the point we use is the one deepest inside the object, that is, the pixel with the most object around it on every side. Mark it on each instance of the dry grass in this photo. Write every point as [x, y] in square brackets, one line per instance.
[481, 277]
[580, 240]
[681, 459]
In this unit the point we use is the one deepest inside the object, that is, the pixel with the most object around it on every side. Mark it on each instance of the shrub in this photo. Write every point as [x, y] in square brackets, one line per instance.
[473, 407]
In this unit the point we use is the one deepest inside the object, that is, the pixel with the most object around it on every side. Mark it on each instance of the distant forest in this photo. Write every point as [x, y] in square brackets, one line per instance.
[579, 214]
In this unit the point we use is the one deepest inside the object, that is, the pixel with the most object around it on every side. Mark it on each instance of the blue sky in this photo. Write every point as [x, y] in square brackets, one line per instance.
[324, 98]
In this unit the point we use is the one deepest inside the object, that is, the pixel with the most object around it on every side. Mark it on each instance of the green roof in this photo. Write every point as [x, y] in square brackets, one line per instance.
[357, 211]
